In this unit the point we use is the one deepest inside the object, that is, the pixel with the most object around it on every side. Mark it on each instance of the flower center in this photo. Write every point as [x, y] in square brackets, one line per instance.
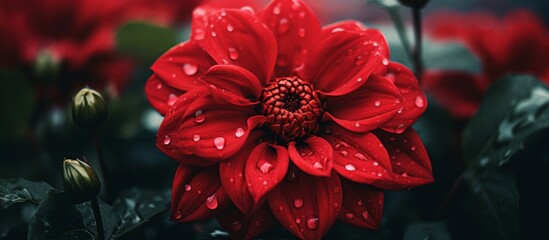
[293, 109]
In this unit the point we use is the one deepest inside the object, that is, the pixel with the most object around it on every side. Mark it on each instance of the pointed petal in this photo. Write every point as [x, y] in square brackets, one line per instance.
[198, 124]
[362, 205]
[305, 205]
[359, 157]
[196, 193]
[240, 38]
[232, 171]
[233, 84]
[314, 156]
[410, 162]
[367, 108]
[160, 95]
[296, 29]
[265, 168]
[242, 227]
[415, 102]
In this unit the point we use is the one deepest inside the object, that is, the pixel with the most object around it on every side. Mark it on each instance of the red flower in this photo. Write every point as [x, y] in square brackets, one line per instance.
[270, 115]
[515, 44]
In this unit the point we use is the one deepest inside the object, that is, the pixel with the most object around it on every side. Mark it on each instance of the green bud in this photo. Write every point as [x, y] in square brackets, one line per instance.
[89, 109]
[46, 66]
[414, 3]
[80, 181]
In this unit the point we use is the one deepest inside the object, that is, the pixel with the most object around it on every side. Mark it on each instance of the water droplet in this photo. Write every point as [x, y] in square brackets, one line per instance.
[419, 102]
[230, 28]
[171, 99]
[196, 138]
[188, 187]
[337, 30]
[298, 202]
[359, 203]
[264, 166]
[399, 129]
[318, 165]
[335, 205]
[211, 202]
[357, 124]
[199, 34]
[312, 222]
[199, 116]
[283, 26]
[298, 220]
[239, 132]
[359, 60]
[359, 79]
[247, 9]
[344, 153]
[404, 175]
[219, 143]
[167, 140]
[349, 215]
[350, 167]
[385, 61]
[213, 34]
[376, 163]
[190, 69]
[301, 32]
[237, 225]
[377, 103]
[360, 156]
[178, 214]
[233, 54]
[276, 10]
[365, 215]
[413, 148]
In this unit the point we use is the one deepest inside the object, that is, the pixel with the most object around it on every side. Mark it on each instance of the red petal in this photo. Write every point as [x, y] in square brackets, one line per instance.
[415, 101]
[232, 171]
[160, 96]
[459, 92]
[296, 29]
[367, 108]
[343, 61]
[348, 25]
[242, 227]
[360, 157]
[305, 205]
[410, 162]
[233, 84]
[314, 156]
[362, 205]
[182, 66]
[240, 38]
[265, 168]
[198, 124]
[196, 193]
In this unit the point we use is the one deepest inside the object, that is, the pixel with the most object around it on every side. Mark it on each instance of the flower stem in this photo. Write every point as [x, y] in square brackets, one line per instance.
[418, 63]
[102, 164]
[98, 219]
[401, 30]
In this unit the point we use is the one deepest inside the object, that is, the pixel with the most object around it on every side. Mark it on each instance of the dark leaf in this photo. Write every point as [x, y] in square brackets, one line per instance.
[145, 41]
[14, 191]
[427, 231]
[513, 108]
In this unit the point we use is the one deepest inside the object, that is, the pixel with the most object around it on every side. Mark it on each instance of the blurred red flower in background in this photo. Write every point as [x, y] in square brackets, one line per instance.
[260, 107]
[515, 44]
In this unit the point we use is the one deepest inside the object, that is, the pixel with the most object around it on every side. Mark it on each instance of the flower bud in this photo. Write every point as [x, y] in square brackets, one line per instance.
[89, 109]
[414, 3]
[80, 181]
[46, 66]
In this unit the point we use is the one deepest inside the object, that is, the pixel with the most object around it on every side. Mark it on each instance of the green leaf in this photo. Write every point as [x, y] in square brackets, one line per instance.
[512, 109]
[57, 218]
[145, 41]
[14, 191]
[427, 231]
[491, 205]
[16, 105]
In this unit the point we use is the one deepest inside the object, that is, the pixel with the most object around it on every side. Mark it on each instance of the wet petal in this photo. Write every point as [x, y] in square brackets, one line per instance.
[198, 124]
[265, 168]
[240, 38]
[347, 25]
[415, 102]
[305, 205]
[242, 227]
[196, 193]
[362, 205]
[367, 108]
[359, 157]
[296, 29]
[410, 162]
[160, 95]
[313, 155]
[233, 84]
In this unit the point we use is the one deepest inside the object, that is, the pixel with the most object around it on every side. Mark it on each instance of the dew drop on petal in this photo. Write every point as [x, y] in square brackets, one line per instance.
[344, 153]
[359, 60]
[188, 187]
[298, 220]
[167, 140]
[365, 215]
[360, 156]
[211, 202]
[377, 103]
[196, 138]
[247, 9]
[349, 215]
[335, 205]
[178, 214]
[385, 61]
[376, 163]
[318, 165]
[312, 222]
[190, 69]
[413, 148]
[337, 30]
[301, 32]
[213, 34]
[359, 79]
[219, 143]
[233, 54]
[357, 124]
[404, 175]
[230, 28]
[199, 116]
[264, 166]
[237, 225]
[159, 86]
[419, 102]
[283, 26]
[350, 167]
[298, 202]
[359, 203]
[171, 99]
[276, 10]
[239, 132]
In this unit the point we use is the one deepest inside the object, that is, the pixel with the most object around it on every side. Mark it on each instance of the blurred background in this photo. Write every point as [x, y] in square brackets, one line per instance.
[50, 49]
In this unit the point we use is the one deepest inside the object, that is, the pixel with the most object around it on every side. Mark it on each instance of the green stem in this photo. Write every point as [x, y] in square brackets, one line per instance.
[102, 164]
[418, 63]
[98, 219]
[401, 30]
